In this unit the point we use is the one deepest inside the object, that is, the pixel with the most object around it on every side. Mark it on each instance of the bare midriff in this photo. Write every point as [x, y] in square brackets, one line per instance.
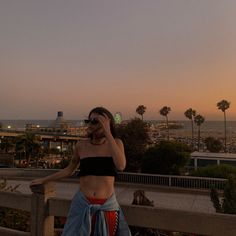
[97, 186]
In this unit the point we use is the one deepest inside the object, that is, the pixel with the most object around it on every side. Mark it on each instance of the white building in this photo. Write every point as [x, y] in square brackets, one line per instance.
[201, 159]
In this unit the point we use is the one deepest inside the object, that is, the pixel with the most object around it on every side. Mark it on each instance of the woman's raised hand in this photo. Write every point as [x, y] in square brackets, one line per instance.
[105, 123]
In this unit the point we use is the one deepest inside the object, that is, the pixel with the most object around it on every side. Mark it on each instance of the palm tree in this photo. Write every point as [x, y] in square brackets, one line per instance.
[199, 120]
[190, 114]
[223, 105]
[20, 149]
[30, 145]
[164, 111]
[141, 110]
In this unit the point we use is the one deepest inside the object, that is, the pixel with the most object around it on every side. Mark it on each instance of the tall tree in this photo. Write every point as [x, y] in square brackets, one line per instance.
[135, 136]
[199, 120]
[190, 114]
[141, 109]
[164, 111]
[223, 105]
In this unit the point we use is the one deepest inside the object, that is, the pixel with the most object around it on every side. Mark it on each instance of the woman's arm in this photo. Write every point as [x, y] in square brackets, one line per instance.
[117, 152]
[115, 144]
[68, 171]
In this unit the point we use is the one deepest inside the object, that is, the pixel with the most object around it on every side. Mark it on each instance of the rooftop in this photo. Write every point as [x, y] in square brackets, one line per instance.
[214, 155]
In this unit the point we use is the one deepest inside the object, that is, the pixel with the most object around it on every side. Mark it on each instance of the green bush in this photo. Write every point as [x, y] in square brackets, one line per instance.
[168, 157]
[227, 204]
[213, 144]
[15, 219]
[215, 171]
[12, 218]
[6, 158]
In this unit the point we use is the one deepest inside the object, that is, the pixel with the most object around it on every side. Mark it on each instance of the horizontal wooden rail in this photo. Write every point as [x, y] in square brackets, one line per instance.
[18, 201]
[181, 221]
[166, 219]
[11, 232]
[43, 206]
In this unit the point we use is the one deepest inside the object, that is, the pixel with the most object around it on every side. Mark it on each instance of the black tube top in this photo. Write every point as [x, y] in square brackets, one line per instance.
[98, 166]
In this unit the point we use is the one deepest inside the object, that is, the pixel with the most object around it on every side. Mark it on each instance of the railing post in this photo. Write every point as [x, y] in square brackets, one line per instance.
[169, 181]
[41, 223]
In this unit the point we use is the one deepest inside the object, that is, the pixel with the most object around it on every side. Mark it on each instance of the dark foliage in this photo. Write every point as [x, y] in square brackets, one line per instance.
[14, 219]
[135, 137]
[228, 203]
[166, 158]
[213, 144]
[215, 171]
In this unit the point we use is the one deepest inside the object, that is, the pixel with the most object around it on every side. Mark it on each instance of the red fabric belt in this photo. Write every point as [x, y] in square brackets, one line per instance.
[111, 216]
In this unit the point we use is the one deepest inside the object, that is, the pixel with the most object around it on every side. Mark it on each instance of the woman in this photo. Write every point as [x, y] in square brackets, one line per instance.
[94, 208]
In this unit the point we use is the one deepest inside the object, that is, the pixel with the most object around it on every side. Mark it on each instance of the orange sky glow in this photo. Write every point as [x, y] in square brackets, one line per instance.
[75, 55]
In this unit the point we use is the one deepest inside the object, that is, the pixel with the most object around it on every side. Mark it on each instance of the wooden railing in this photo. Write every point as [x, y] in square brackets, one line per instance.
[43, 206]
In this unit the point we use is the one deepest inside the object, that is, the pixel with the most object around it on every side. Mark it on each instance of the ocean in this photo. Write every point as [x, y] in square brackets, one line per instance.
[207, 126]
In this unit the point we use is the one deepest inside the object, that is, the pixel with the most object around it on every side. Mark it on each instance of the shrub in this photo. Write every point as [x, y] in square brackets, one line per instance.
[215, 171]
[168, 157]
[228, 203]
[15, 219]
[12, 218]
[213, 144]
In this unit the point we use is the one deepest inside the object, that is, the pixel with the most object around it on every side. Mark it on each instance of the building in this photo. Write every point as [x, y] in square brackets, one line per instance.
[59, 127]
[201, 159]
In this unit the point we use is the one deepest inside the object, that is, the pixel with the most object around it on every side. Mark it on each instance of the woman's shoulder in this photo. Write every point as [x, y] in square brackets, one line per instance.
[119, 141]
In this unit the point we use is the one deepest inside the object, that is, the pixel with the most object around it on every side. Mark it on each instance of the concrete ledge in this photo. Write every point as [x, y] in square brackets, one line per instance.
[21, 172]
[166, 189]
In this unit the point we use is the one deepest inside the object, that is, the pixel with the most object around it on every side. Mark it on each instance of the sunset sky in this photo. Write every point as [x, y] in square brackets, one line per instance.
[74, 55]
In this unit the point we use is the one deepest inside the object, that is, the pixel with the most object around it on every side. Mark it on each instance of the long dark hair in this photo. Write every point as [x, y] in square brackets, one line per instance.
[102, 111]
